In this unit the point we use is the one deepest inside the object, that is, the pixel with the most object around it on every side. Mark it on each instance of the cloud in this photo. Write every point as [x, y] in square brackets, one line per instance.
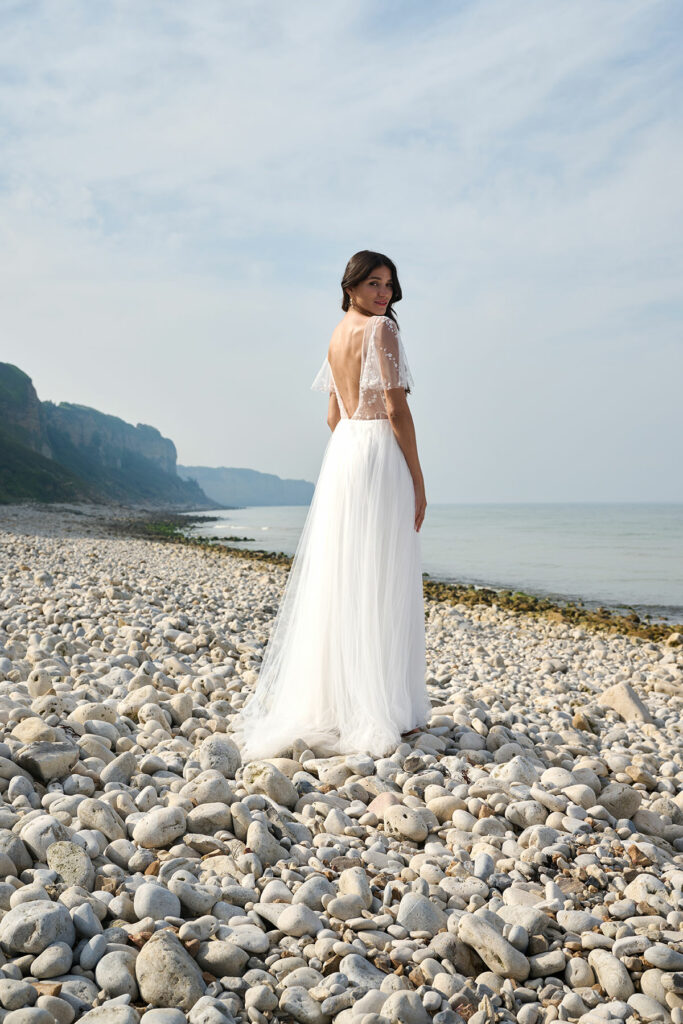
[183, 184]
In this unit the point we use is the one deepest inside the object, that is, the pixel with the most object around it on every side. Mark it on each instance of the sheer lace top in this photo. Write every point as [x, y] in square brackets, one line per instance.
[383, 366]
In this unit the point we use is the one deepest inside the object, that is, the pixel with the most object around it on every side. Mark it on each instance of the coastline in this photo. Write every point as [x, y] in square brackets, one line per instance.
[176, 528]
[515, 855]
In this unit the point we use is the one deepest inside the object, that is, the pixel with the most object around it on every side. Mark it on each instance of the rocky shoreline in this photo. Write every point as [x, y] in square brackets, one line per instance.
[519, 860]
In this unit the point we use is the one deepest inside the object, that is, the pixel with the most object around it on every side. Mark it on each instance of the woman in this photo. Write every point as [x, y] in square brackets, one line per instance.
[344, 669]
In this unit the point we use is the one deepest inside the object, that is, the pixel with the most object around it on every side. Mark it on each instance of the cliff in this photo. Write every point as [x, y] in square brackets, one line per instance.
[21, 410]
[238, 487]
[71, 452]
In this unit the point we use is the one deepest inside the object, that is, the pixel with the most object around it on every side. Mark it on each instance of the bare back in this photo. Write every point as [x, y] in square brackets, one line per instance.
[365, 362]
[345, 356]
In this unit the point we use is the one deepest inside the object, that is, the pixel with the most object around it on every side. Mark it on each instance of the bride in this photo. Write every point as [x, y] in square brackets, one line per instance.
[344, 668]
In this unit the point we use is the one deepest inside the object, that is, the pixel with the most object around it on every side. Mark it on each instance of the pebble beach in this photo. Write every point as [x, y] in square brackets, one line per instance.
[521, 859]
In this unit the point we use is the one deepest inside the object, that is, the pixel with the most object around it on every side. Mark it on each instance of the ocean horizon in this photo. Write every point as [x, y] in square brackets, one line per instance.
[619, 555]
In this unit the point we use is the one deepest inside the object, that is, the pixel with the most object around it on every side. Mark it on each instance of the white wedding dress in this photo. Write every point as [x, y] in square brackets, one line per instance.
[344, 669]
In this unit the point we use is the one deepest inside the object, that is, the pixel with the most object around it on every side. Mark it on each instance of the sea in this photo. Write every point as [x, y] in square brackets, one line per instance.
[618, 556]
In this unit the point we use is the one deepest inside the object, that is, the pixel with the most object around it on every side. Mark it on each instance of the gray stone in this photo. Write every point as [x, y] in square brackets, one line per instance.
[154, 900]
[296, 1002]
[360, 972]
[262, 777]
[164, 1016]
[623, 699]
[553, 961]
[405, 1008]
[406, 823]
[29, 1015]
[93, 951]
[251, 939]
[79, 992]
[264, 844]
[261, 997]
[13, 847]
[647, 1008]
[221, 957]
[158, 828]
[496, 952]
[577, 921]
[121, 769]
[220, 754]
[197, 898]
[111, 1014]
[314, 888]
[620, 800]
[115, 974]
[98, 815]
[59, 1009]
[47, 761]
[578, 973]
[16, 994]
[32, 927]
[86, 921]
[352, 882]
[298, 919]
[419, 914]
[166, 973]
[664, 957]
[40, 833]
[209, 818]
[611, 974]
[54, 960]
[72, 864]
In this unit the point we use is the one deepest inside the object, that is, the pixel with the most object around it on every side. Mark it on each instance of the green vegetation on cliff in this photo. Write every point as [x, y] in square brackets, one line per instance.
[28, 475]
[71, 452]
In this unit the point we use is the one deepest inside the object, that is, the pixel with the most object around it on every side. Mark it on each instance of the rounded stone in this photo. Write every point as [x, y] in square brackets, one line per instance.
[620, 800]
[166, 1015]
[664, 957]
[496, 952]
[158, 828]
[419, 914]
[154, 900]
[611, 974]
[115, 974]
[54, 960]
[405, 822]
[220, 754]
[33, 927]
[111, 1013]
[262, 777]
[405, 1007]
[221, 957]
[298, 919]
[14, 995]
[166, 973]
[72, 864]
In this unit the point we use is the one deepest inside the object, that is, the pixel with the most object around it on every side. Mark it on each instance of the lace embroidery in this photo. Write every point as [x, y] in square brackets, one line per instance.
[383, 366]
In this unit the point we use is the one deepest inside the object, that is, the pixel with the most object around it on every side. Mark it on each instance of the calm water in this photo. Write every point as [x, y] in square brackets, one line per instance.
[616, 555]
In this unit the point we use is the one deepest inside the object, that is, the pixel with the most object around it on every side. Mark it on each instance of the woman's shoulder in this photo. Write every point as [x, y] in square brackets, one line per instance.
[385, 324]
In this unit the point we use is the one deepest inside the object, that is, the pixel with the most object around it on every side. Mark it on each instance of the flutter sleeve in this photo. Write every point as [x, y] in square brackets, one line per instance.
[386, 365]
[323, 378]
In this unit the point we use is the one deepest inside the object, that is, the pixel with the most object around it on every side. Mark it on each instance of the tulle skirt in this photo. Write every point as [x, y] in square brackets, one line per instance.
[344, 669]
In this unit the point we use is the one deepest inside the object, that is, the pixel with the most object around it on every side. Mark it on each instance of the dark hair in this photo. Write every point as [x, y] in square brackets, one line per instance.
[360, 266]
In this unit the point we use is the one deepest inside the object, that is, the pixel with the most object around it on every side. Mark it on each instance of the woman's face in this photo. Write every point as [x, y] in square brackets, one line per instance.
[373, 295]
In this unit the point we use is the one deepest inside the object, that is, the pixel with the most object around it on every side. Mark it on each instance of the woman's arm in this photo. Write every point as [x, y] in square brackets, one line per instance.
[333, 413]
[402, 424]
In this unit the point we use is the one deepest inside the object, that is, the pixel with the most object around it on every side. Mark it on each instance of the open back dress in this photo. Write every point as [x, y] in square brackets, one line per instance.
[344, 668]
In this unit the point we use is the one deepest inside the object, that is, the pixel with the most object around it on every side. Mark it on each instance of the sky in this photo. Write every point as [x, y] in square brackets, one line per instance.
[182, 185]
